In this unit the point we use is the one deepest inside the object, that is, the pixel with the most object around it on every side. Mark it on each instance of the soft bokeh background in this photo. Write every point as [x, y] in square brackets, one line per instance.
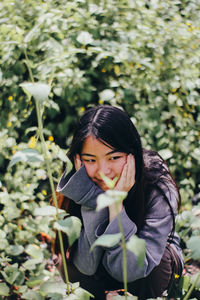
[143, 56]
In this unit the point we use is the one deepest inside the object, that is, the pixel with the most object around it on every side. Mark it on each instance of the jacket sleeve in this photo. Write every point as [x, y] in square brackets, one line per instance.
[79, 187]
[85, 260]
[82, 190]
[157, 227]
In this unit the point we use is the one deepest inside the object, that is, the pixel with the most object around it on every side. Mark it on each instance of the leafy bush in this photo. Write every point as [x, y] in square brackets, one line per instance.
[140, 55]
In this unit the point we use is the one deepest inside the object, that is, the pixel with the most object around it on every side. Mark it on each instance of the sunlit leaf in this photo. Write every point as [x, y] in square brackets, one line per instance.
[34, 251]
[194, 245]
[107, 240]
[40, 91]
[32, 295]
[196, 279]
[27, 155]
[138, 247]
[4, 289]
[15, 250]
[85, 38]
[51, 286]
[35, 280]
[110, 197]
[47, 211]
[71, 226]
[31, 264]
[106, 95]
[109, 182]
[165, 153]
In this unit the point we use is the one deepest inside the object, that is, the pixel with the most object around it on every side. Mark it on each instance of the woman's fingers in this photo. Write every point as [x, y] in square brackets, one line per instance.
[77, 162]
[127, 178]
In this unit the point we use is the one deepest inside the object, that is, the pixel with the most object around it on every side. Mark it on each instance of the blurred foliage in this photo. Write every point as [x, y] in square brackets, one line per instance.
[143, 56]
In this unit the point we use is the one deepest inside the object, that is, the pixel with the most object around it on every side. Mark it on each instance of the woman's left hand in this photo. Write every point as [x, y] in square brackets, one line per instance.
[125, 183]
[127, 178]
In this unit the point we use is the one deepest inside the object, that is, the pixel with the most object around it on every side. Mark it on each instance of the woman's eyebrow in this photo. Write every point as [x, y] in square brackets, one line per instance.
[110, 152]
[87, 154]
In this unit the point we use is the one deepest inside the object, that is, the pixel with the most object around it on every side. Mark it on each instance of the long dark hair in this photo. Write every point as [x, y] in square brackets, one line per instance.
[113, 127]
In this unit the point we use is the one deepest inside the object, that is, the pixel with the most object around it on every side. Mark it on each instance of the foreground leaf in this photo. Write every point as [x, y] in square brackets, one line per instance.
[32, 295]
[107, 240]
[46, 211]
[137, 246]
[194, 245]
[52, 286]
[110, 197]
[71, 226]
[4, 289]
[27, 155]
[38, 90]
[34, 251]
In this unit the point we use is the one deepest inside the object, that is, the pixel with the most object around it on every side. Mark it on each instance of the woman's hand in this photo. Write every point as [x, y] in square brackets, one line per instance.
[77, 162]
[127, 178]
[125, 183]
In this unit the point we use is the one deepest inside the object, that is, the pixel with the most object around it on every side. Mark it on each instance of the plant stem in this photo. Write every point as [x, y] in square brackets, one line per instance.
[47, 160]
[192, 287]
[124, 252]
[46, 157]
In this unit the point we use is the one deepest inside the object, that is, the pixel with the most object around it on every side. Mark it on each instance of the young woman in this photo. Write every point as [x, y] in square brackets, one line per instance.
[107, 141]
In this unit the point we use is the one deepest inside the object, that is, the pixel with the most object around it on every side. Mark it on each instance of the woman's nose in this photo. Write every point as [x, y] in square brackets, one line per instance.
[104, 168]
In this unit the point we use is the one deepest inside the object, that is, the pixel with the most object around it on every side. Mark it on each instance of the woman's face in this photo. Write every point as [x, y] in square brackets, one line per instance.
[98, 158]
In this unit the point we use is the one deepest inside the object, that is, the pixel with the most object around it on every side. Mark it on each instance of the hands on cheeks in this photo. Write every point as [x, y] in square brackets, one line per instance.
[127, 178]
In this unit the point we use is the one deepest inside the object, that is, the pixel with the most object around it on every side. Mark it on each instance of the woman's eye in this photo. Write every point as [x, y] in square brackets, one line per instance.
[115, 157]
[89, 160]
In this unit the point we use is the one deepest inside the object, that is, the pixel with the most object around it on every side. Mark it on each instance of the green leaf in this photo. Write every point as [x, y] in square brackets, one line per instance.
[40, 91]
[184, 283]
[110, 197]
[31, 264]
[15, 250]
[36, 280]
[71, 226]
[27, 155]
[51, 286]
[194, 245]
[34, 251]
[32, 295]
[82, 294]
[47, 211]
[109, 182]
[138, 247]
[196, 279]
[11, 273]
[165, 153]
[4, 289]
[107, 240]
[84, 38]
[106, 95]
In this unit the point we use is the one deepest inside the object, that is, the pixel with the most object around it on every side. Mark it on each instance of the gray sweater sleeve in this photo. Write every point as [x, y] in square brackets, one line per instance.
[85, 260]
[79, 187]
[155, 231]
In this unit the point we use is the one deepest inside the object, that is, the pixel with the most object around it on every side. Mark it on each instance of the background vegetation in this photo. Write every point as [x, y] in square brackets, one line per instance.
[143, 56]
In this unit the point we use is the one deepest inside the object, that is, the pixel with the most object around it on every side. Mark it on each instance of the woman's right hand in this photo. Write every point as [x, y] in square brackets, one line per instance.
[77, 162]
